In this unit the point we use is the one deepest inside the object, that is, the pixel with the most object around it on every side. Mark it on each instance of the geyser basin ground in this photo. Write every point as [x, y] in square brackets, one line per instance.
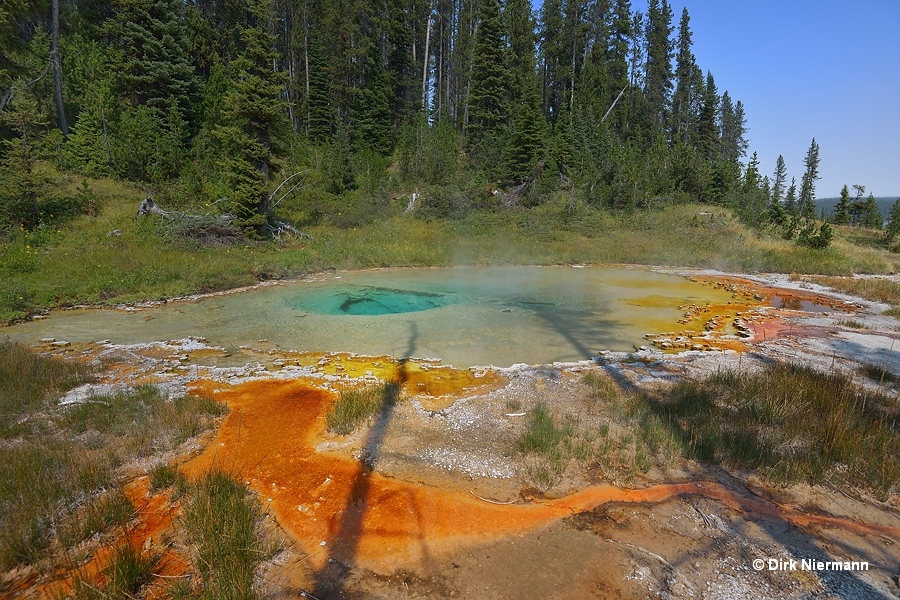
[432, 500]
[463, 316]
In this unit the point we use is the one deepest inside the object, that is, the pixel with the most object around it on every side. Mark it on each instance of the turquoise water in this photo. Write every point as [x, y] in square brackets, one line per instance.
[463, 316]
[369, 300]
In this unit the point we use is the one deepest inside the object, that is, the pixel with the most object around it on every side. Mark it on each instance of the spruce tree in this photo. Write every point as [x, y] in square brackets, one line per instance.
[253, 119]
[779, 181]
[807, 206]
[617, 48]
[733, 145]
[684, 69]
[872, 214]
[153, 42]
[707, 127]
[842, 210]
[552, 57]
[893, 226]
[751, 175]
[89, 147]
[372, 112]
[790, 199]
[489, 102]
[21, 186]
[525, 138]
[658, 69]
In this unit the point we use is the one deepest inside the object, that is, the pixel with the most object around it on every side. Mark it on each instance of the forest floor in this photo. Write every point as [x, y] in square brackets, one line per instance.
[435, 497]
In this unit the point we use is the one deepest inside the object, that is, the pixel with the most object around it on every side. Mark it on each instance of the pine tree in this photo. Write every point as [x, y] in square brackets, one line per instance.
[552, 57]
[618, 46]
[751, 175]
[807, 199]
[733, 125]
[525, 138]
[89, 147]
[893, 226]
[780, 178]
[658, 69]
[372, 114]
[842, 210]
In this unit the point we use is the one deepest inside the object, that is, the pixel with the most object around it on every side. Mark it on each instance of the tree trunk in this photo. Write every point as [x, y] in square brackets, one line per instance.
[57, 70]
[425, 62]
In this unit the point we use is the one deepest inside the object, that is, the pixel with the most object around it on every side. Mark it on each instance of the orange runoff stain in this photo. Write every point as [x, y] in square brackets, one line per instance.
[338, 509]
[154, 516]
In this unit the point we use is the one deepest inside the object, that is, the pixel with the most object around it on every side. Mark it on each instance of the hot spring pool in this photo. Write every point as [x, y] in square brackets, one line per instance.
[463, 316]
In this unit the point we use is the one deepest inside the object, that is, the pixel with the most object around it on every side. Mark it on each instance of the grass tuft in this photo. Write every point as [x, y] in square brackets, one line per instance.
[113, 509]
[548, 445]
[129, 570]
[164, 476]
[222, 521]
[355, 406]
[542, 434]
[878, 373]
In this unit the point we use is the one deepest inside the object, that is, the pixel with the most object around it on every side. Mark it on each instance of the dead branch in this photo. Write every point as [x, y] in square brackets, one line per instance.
[614, 104]
[7, 94]
[490, 501]
[271, 203]
[411, 205]
[277, 228]
[148, 206]
[212, 229]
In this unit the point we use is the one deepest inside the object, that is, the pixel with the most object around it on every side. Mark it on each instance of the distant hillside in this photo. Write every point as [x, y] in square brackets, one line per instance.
[884, 204]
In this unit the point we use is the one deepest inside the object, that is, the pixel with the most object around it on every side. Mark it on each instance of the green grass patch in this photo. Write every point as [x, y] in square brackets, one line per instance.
[40, 481]
[222, 521]
[543, 435]
[853, 324]
[143, 420]
[355, 406]
[112, 258]
[549, 443]
[792, 423]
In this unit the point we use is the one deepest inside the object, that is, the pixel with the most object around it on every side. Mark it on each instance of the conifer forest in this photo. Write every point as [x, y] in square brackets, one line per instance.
[471, 103]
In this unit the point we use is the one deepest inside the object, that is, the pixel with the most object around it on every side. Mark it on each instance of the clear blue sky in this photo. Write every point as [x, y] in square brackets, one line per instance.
[809, 68]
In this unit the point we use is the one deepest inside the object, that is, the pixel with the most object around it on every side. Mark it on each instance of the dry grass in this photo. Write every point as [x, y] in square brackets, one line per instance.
[877, 289]
[790, 422]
